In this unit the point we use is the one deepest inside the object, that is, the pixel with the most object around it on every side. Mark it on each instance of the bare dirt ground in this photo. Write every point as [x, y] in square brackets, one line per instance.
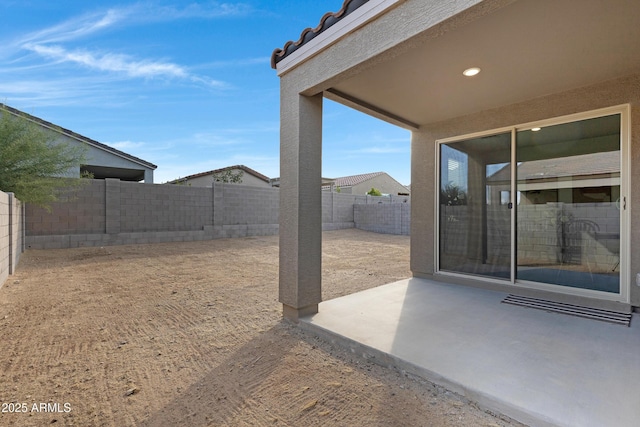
[190, 334]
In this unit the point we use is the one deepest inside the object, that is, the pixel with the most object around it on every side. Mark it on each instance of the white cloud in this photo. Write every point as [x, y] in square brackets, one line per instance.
[49, 42]
[110, 62]
[85, 25]
[208, 10]
[62, 91]
[126, 145]
[123, 64]
[76, 28]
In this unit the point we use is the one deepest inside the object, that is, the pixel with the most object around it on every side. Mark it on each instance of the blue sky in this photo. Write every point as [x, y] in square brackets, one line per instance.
[184, 85]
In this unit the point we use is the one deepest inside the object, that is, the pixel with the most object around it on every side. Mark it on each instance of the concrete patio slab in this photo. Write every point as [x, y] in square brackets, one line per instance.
[537, 367]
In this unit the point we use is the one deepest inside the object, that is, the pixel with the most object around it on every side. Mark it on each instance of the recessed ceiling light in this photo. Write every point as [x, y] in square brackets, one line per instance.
[471, 71]
[535, 129]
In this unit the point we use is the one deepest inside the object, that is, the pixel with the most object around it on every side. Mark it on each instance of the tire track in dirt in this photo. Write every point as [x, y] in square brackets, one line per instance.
[231, 386]
[191, 334]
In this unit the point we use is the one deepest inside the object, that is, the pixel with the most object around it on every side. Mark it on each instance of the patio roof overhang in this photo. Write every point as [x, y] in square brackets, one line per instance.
[402, 61]
[524, 48]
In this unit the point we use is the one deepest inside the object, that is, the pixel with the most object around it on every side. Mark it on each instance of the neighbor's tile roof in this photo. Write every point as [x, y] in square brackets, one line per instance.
[77, 136]
[308, 34]
[350, 181]
[241, 167]
[581, 165]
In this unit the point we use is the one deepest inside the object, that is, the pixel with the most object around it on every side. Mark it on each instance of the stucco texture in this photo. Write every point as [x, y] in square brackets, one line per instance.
[625, 90]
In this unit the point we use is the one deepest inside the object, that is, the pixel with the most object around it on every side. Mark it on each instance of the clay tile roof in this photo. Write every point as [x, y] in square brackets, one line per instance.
[308, 34]
[580, 165]
[349, 181]
[241, 167]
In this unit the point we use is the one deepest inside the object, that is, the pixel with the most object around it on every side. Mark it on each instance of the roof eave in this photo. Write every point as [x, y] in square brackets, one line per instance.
[244, 168]
[329, 36]
[73, 135]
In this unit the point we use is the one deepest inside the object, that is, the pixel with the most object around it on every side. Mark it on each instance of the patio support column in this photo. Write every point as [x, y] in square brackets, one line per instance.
[300, 202]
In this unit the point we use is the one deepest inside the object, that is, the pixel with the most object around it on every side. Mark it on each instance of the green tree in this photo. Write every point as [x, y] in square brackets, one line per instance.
[374, 192]
[452, 195]
[33, 165]
[228, 176]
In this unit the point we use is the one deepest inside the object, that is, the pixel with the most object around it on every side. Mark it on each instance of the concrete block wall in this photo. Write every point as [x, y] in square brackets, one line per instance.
[83, 213]
[17, 233]
[547, 233]
[547, 228]
[155, 208]
[244, 205]
[387, 218]
[337, 210]
[4, 237]
[454, 229]
[538, 234]
[113, 212]
[11, 234]
[499, 234]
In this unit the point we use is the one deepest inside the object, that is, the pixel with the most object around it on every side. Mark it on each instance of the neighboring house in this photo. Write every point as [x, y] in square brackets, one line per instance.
[101, 160]
[325, 183]
[585, 178]
[558, 85]
[361, 184]
[205, 179]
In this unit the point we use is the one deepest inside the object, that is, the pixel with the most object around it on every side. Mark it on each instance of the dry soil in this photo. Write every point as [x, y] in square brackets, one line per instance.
[190, 334]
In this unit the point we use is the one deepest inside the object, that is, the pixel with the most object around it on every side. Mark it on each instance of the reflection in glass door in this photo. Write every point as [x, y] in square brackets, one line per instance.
[566, 228]
[475, 220]
[568, 216]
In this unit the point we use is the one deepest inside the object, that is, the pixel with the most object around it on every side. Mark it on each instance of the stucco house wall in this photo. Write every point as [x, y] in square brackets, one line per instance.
[96, 157]
[301, 96]
[605, 94]
[361, 67]
[100, 159]
[385, 183]
[207, 180]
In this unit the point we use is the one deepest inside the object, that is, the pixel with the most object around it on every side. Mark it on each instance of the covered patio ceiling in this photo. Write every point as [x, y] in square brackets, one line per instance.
[526, 49]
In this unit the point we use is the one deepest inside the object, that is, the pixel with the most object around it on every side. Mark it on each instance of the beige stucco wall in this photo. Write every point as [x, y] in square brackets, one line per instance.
[207, 180]
[624, 90]
[301, 90]
[384, 183]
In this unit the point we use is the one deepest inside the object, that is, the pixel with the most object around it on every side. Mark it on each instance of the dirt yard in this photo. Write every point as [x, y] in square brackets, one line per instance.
[190, 334]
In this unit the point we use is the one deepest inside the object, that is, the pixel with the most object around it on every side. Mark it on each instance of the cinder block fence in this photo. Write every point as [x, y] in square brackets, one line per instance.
[389, 218]
[11, 234]
[113, 212]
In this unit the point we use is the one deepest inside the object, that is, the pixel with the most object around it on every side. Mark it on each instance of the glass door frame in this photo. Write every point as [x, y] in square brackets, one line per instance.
[625, 184]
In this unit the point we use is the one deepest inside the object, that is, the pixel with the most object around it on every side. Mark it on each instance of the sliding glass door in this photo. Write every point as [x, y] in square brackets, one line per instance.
[568, 226]
[475, 222]
[535, 205]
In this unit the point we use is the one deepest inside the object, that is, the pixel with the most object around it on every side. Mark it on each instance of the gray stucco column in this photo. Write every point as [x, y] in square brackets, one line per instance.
[300, 202]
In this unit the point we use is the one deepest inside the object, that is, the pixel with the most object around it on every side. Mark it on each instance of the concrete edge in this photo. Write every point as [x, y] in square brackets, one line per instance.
[481, 399]
[65, 241]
